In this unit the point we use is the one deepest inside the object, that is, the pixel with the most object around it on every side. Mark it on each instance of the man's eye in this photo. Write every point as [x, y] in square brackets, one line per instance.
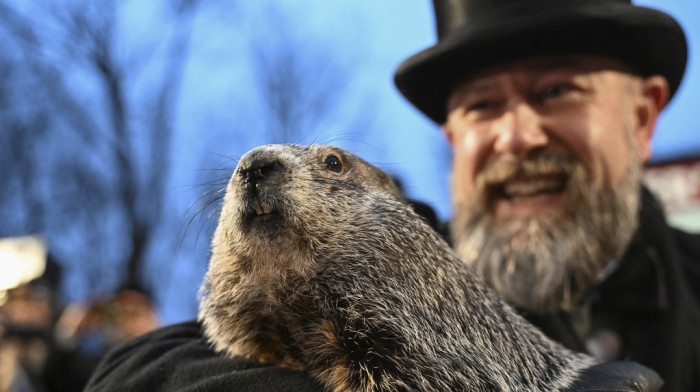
[555, 91]
[481, 105]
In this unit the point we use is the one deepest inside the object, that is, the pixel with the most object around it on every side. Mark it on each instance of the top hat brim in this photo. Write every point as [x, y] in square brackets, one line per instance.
[648, 40]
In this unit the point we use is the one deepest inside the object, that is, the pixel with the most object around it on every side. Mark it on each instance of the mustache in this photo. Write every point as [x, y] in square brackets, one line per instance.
[502, 170]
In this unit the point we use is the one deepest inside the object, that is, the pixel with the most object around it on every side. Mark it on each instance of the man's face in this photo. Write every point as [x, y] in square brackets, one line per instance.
[547, 153]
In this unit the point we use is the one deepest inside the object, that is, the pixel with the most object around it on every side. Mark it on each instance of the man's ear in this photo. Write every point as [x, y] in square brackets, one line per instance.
[654, 97]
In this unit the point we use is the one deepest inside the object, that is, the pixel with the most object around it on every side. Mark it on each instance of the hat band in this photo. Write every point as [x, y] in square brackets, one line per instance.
[451, 15]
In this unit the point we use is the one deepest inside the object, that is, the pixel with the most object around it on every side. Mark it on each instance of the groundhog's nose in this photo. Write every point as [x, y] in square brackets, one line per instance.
[256, 167]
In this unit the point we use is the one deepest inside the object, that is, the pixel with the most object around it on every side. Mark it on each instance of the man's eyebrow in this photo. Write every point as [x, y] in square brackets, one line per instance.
[470, 88]
[481, 85]
[566, 64]
[477, 86]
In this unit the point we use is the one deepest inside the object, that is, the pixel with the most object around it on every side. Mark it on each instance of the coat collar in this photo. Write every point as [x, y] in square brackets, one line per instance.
[640, 281]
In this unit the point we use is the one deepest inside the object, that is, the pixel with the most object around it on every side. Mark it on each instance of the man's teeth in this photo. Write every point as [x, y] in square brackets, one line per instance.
[532, 187]
[261, 209]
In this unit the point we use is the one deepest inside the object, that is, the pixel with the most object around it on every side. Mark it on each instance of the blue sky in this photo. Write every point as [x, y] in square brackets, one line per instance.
[678, 133]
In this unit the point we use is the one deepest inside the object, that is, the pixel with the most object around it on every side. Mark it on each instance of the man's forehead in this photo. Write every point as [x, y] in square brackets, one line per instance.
[542, 65]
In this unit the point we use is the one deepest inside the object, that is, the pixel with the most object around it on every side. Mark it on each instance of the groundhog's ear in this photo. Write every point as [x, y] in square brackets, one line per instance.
[390, 185]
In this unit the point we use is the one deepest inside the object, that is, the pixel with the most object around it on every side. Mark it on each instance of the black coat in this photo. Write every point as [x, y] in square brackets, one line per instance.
[177, 358]
[650, 300]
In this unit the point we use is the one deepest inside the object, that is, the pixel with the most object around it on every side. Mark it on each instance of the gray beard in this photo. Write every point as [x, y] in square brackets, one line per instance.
[546, 262]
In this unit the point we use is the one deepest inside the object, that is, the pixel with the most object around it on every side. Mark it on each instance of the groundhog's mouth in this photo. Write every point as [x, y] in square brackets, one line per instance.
[262, 209]
[262, 217]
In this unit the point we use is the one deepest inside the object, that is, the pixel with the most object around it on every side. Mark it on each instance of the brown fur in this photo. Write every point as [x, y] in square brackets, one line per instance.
[344, 281]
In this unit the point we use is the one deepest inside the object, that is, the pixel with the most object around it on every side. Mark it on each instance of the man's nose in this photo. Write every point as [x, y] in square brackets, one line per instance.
[520, 131]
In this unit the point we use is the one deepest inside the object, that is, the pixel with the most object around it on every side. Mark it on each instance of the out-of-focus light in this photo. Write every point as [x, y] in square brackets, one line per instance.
[22, 259]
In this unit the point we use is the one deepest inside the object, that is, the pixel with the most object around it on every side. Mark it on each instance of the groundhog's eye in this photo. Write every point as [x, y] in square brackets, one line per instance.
[333, 164]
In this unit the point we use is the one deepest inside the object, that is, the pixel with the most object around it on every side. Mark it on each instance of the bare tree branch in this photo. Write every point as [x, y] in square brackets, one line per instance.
[108, 167]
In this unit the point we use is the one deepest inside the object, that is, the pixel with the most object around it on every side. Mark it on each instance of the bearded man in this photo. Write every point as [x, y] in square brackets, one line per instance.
[550, 107]
[556, 195]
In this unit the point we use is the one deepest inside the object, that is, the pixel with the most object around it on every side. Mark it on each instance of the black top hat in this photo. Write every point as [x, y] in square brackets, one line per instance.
[473, 34]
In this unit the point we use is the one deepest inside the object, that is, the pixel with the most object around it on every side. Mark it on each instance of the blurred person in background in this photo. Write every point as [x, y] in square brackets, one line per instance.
[46, 346]
[85, 331]
[28, 311]
[25, 328]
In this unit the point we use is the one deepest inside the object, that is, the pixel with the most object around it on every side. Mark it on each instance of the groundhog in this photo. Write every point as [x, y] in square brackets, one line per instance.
[319, 265]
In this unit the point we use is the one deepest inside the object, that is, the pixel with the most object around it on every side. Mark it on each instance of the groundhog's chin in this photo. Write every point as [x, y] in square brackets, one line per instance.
[267, 225]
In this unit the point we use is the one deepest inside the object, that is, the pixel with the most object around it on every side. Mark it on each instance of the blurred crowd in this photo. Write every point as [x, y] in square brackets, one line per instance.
[48, 345]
